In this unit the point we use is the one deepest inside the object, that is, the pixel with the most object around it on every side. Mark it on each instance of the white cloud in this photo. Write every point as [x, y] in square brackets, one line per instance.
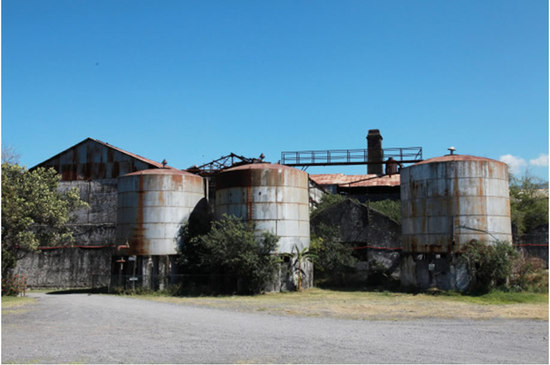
[515, 163]
[542, 160]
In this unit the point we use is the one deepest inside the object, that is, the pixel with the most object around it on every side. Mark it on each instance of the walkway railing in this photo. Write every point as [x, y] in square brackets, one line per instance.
[348, 157]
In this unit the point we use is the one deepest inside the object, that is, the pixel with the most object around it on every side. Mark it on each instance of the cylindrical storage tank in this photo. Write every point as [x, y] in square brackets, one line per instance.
[274, 197]
[446, 203]
[152, 206]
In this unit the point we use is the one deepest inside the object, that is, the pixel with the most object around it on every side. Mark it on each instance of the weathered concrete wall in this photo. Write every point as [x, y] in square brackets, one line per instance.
[360, 225]
[70, 267]
[376, 238]
[93, 226]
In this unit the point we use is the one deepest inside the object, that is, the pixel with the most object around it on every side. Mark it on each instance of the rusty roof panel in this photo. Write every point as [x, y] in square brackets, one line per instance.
[368, 180]
[92, 159]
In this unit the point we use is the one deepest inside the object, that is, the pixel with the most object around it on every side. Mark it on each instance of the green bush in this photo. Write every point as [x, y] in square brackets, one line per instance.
[333, 260]
[229, 258]
[490, 265]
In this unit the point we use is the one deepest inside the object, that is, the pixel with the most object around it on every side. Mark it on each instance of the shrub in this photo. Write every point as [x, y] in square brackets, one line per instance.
[14, 285]
[529, 274]
[490, 265]
[230, 257]
[333, 260]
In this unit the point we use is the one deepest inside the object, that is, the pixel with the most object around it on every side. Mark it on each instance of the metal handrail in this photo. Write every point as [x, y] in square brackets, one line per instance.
[348, 157]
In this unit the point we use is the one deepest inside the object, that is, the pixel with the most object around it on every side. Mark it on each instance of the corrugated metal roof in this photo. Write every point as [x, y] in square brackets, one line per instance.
[146, 160]
[133, 155]
[368, 180]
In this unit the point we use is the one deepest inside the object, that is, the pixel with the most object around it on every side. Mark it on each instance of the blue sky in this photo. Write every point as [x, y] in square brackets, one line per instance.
[191, 81]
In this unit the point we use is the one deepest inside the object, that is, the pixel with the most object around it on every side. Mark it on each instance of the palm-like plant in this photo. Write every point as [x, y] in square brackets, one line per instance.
[299, 258]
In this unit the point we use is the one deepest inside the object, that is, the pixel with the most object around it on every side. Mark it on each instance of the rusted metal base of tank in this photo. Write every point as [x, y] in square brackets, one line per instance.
[155, 272]
[445, 271]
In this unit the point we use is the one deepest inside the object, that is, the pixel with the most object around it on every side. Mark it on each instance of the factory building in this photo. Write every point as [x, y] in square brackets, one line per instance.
[93, 167]
[129, 234]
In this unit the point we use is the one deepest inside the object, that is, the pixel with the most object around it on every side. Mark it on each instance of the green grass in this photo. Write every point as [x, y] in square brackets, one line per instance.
[12, 305]
[499, 298]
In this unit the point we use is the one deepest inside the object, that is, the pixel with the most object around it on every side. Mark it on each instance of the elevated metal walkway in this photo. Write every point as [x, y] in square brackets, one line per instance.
[349, 157]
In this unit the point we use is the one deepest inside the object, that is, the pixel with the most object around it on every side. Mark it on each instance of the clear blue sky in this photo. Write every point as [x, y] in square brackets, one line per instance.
[191, 81]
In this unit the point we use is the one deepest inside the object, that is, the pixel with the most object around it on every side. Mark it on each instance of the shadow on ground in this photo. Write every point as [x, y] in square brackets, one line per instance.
[79, 291]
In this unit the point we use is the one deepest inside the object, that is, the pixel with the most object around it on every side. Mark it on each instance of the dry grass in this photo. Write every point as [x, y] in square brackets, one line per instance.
[370, 305]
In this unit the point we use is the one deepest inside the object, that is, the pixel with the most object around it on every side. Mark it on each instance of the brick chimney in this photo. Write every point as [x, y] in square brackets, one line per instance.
[375, 152]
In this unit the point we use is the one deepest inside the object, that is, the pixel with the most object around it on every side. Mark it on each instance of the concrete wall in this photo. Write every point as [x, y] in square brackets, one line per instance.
[70, 267]
[375, 237]
[95, 225]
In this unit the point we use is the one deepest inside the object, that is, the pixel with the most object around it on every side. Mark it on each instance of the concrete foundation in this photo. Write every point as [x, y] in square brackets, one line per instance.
[442, 271]
[153, 272]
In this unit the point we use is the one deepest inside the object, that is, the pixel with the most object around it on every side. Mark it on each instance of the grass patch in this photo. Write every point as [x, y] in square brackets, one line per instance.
[498, 298]
[11, 305]
[377, 305]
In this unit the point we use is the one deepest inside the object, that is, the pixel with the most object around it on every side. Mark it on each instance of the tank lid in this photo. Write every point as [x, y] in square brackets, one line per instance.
[163, 171]
[453, 157]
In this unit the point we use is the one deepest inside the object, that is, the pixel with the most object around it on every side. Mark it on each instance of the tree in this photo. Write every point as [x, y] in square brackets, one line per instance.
[528, 204]
[232, 254]
[34, 212]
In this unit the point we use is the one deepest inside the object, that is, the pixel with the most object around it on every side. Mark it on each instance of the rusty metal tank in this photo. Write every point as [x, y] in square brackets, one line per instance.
[451, 200]
[447, 202]
[274, 197]
[152, 206]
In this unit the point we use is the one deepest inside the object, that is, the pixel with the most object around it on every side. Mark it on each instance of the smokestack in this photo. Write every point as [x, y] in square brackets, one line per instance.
[375, 152]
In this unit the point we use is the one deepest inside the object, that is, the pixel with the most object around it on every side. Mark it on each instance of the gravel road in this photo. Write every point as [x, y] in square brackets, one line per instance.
[81, 328]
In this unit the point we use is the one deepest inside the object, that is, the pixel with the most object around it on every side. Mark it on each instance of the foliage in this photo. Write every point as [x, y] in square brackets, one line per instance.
[34, 212]
[232, 256]
[327, 201]
[299, 260]
[388, 207]
[490, 265]
[333, 259]
[13, 285]
[529, 274]
[529, 207]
